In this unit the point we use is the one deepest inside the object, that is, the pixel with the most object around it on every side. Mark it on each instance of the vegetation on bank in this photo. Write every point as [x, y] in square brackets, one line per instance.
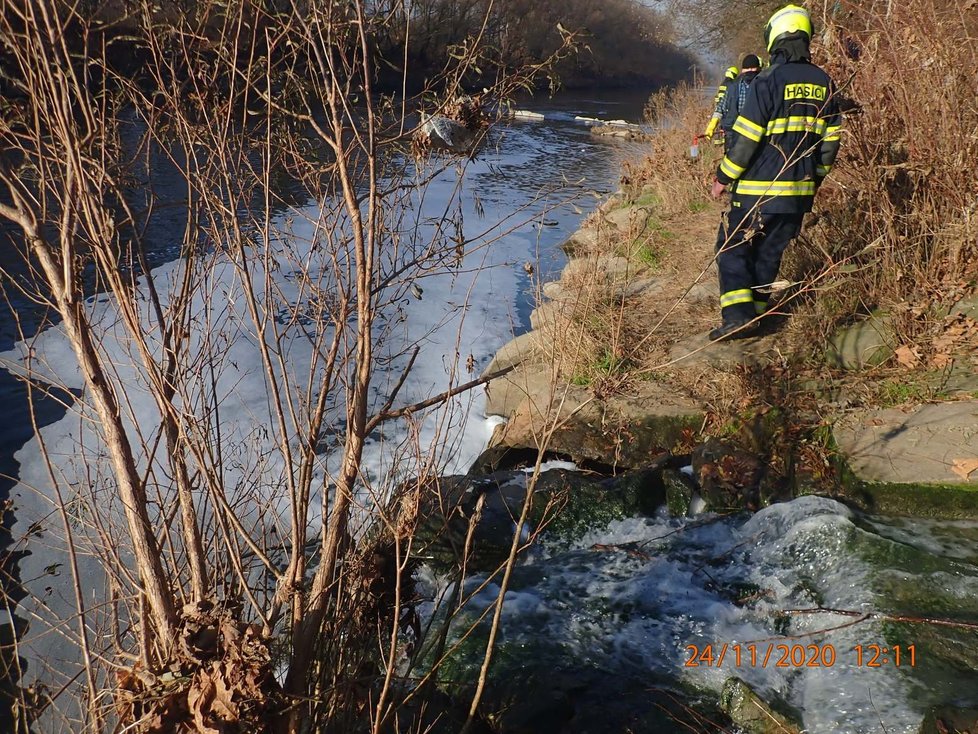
[894, 230]
[416, 44]
[290, 564]
[624, 42]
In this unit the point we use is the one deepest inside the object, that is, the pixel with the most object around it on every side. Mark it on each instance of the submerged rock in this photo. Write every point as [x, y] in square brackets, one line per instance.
[749, 712]
[481, 512]
[545, 688]
[728, 476]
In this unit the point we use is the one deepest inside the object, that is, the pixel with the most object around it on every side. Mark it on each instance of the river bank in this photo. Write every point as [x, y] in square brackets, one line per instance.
[620, 338]
[894, 452]
[616, 375]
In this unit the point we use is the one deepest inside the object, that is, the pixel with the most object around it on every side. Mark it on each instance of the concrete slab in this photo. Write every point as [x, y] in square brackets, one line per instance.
[912, 446]
[505, 394]
[622, 431]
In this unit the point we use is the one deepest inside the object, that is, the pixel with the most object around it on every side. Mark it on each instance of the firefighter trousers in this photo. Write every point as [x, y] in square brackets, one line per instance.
[749, 250]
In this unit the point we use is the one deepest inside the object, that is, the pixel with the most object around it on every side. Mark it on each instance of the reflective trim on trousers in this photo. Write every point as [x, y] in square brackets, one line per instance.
[732, 298]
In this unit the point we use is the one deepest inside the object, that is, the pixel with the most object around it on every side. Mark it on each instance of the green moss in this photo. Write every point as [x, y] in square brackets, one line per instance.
[664, 432]
[648, 255]
[951, 501]
[947, 501]
[648, 199]
[899, 391]
[607, 364]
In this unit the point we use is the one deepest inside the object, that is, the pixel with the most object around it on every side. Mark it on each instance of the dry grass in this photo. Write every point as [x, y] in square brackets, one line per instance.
[894, 228]
[896, 225]
[679, 183]
[642, 278]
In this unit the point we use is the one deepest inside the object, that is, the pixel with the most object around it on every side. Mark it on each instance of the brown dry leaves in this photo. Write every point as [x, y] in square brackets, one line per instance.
[220, 681]
[964, 468]
[956, 336]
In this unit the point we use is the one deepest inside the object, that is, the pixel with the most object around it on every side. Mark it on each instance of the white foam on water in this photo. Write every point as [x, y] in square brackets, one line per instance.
[631, 597]
[465, 312]
[696, 504]
[552, 465]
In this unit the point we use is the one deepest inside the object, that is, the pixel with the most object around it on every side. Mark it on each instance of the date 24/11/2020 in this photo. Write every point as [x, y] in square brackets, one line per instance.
[798, 656]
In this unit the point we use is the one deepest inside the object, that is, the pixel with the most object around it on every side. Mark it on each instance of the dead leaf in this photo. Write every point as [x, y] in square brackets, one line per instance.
[964, 468]
[941, 360]
[199, 700]
[907, 356]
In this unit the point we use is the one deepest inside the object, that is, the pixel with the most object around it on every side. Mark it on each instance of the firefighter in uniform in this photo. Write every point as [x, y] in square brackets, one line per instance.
[736, 96]
[729, 75]
[787, 138]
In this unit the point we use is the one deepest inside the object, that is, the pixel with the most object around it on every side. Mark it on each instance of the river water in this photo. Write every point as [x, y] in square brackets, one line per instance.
[701, 582]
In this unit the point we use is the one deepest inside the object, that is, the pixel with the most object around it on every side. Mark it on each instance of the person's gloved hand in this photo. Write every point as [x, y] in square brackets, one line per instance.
[711, 127]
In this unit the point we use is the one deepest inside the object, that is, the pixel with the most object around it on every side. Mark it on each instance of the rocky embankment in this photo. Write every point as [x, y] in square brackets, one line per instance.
[914, 457]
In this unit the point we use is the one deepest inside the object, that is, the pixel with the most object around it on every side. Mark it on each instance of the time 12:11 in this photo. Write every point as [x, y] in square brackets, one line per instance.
[876, 656]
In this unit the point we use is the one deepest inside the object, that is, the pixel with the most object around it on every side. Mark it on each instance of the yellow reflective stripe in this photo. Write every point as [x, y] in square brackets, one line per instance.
[822, 171]
[776, 188]
[748, 129]
[731, 169]
[732, 298]
[796, 124]
[760, 306]
[833, 133]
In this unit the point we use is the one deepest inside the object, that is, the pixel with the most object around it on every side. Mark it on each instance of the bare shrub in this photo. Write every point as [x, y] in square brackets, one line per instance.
[234, 562]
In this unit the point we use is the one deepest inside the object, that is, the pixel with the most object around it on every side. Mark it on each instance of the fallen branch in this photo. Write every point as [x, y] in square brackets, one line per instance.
[865, 616]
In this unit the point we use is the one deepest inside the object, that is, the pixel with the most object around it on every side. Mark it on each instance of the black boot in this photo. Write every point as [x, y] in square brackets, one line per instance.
[729, 330]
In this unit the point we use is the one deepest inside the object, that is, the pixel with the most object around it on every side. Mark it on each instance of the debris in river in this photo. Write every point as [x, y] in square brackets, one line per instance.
[527, 115]
[459, 127]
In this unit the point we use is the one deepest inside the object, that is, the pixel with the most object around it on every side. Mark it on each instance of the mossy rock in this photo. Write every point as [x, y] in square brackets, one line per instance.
[570, 503]
[751, 713]
[679, 489]
[864, 344]
[952, 502]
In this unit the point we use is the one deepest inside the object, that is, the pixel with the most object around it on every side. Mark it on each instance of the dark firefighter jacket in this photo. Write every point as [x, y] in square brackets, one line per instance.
[734, 100]
[787, 139]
